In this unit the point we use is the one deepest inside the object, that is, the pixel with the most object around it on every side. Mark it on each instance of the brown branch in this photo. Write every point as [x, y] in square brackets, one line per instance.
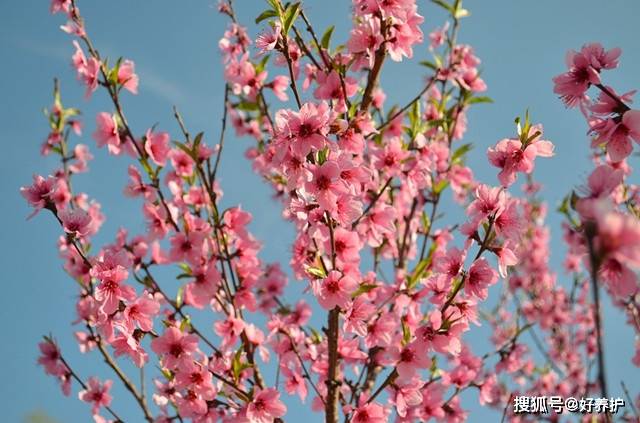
[374, 73]
[372, 203]
[80, 381]
[594, 267]
[125, 380]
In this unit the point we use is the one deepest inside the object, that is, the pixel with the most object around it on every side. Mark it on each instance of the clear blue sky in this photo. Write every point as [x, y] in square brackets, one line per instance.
[174, 44]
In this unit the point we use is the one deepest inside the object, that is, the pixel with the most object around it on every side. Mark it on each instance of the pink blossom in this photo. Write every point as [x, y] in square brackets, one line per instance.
[229, 329]
[87, 70]
[60, 6]
[409, 360]
[489, 201]
[157, 146]
[50, 358]
[358, 315]
[201, 291]
[195, 377]
[330, 86]
[430, 337]
[346, 244]
[305, 130]
[294, 383]
[479, 277]
[267, 40]
[96, 393]
[174, 347]
[438, 36]
[506, 257]
[107, 132]
[584, 70]
[370, 413]
[181, 162]
[326, 185]
[141, 312]
[127, 76]
[126, 344]
[335, 290]
[512, 156]
[111, 270]
[280, 85]
[40, 192]
[75, 221]
[266, 406]
[451, 263]
[617, 134]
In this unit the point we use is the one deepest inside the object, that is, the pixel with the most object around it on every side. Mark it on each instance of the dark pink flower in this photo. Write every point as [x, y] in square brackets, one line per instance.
[335, 290]
[174, 347]
[96, 394]
[127, 76]
[107, 132]
[75, 221]
[157, 146]
[266, 406]
[479, 277]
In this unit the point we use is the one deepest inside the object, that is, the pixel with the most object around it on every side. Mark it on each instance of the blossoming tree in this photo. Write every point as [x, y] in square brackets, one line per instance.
[397, 286]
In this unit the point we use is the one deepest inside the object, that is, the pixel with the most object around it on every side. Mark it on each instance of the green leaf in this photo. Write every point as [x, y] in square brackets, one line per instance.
[326, 37]
[197, 140]
[440, 186]
[573, 200]
[316, 337]
[113, 73]
[236, 366]
[322, 155]
[406, 333]
[461, 13]
[246, 106]
[275, 4]
[316, 271]
[460, 152]
[266, 15]
[180, 297]
[481, 99]
[564, 206]
[426, 222]
[290, 15]
[429, 64]
[444, 5]
[363, 289]
[185, 325]
[262, 64]
[417, 272]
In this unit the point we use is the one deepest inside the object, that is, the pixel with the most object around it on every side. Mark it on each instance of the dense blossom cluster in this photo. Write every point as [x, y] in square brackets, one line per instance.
[398, 283]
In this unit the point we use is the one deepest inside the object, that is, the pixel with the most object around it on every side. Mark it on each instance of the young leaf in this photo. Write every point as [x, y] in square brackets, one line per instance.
[197, 140]
[180, 297]
[461, 151]
[444, 5]
[266, 15]
[326, 37]
[481, 99]
[290, 16]
[316, 271]
[406, 333]
[364, 288]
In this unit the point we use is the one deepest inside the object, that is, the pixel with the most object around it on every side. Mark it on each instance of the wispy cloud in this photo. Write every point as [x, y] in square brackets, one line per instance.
[159, 86]
[44, 50]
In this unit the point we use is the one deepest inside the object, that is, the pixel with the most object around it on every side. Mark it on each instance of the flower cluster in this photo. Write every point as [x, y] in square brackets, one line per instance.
[396, 283]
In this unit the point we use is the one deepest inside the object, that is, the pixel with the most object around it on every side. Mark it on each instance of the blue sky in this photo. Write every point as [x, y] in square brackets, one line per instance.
[174, 44]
